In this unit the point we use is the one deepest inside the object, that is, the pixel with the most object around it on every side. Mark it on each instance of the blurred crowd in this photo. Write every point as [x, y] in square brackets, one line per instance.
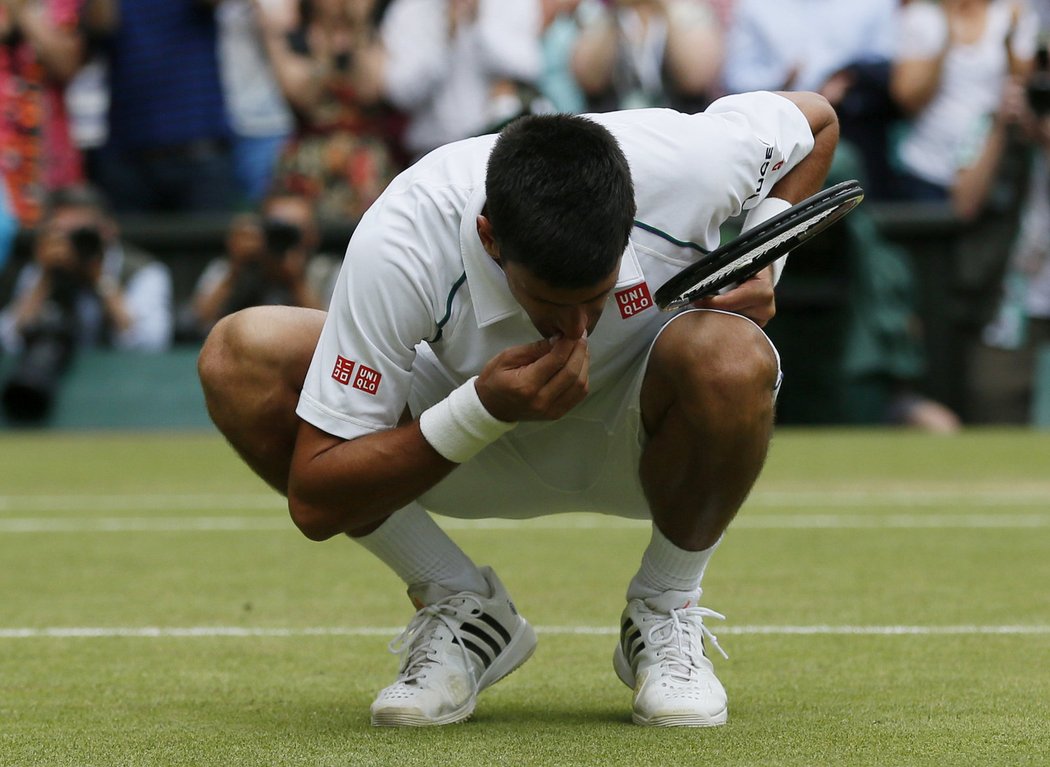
[285, 114]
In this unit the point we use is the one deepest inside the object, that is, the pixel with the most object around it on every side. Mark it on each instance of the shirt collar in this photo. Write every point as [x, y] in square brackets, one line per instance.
[488, 286]
[491, 297]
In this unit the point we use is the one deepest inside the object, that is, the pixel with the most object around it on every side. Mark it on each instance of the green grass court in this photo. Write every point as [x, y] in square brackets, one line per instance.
[888, 603]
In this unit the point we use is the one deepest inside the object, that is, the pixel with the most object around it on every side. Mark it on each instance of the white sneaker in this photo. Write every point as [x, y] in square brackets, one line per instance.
[661, 657]
[456, 645]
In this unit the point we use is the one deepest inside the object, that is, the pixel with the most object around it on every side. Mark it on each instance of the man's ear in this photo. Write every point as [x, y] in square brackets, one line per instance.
[488, 239]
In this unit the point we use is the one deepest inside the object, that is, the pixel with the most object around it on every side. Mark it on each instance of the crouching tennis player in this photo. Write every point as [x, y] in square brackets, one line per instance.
[493, 350]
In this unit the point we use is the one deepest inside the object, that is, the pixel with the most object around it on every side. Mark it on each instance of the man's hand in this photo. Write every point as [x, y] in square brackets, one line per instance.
[541, 381]
[752, 298]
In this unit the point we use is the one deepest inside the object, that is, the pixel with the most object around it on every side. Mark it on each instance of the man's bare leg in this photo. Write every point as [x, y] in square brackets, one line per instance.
[707, 406]
[252, 367]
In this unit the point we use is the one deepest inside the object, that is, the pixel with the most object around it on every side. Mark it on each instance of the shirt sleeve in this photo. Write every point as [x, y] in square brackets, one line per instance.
[774, 123]
[360, 376]
[693, 172]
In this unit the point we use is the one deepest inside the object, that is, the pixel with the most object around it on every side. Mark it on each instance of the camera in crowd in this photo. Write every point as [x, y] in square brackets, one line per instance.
[259, 282]
[49, 339]
[280, 237]
[1037, 88]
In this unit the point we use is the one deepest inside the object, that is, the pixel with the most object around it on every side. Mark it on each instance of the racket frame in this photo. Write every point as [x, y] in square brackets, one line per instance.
[755, 249]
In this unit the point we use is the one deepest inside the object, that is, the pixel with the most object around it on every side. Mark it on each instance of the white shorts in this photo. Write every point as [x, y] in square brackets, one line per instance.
[585, 461]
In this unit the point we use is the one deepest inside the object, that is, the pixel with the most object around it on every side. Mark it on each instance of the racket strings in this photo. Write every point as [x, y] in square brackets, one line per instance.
[758, 251]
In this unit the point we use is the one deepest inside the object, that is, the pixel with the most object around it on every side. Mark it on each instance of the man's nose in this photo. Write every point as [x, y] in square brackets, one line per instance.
[573, 323]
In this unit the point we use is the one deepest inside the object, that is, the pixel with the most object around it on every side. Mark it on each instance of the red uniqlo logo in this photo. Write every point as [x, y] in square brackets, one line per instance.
[634, 300]
[344, 368]
[367, 379]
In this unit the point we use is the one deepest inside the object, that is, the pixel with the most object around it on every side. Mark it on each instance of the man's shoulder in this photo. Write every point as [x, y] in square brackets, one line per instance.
[460, 162]
[426, 203]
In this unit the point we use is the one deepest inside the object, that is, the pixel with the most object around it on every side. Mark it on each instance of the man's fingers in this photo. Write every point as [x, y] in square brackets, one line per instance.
[521, 356]
[752, 298]
[570, 385]
[539, 381]
[545, 367]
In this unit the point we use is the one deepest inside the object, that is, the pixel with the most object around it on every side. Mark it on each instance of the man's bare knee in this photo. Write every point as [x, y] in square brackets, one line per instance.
[212, 360]
[261, 343]
[707, 359]
[252, 367]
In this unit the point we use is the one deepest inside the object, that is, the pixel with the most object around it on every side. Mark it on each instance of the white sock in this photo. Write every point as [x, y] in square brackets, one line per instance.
[411, 544]
[665, 567]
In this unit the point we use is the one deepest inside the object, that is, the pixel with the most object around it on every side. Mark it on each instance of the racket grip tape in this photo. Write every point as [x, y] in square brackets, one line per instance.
[459, 427]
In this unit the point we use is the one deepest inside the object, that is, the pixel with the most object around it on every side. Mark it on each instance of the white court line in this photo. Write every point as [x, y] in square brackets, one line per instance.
[142, 502]
[975, 495]
[746, 521]
[159, 632]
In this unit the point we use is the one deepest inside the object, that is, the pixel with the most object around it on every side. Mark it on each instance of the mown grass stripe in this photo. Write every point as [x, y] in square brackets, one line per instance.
[979, 496]
[65, 525]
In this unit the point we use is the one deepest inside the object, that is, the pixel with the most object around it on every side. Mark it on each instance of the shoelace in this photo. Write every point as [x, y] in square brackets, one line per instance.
[415, 643]
[670, 637]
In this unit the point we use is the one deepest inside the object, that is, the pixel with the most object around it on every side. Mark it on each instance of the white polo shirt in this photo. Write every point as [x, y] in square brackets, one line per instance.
[416, 279]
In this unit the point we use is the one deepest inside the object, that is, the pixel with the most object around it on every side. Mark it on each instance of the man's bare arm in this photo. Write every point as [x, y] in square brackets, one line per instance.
[807, 178]
[754, 298]
[337, 485]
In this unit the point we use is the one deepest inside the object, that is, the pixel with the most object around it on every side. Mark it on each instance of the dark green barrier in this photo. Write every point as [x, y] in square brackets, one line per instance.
[115, 390]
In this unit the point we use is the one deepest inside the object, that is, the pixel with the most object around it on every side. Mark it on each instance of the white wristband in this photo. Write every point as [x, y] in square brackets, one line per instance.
[764, 211]
[459, 426]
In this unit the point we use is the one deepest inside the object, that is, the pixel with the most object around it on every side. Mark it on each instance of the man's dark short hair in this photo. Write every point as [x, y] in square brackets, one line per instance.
[560, 199]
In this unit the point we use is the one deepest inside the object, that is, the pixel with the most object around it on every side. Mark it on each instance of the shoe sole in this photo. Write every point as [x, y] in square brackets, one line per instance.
[626, 675]
[681, 720]
[521, 647]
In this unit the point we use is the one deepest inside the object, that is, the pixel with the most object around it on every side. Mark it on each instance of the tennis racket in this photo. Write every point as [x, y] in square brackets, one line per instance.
[754, 250]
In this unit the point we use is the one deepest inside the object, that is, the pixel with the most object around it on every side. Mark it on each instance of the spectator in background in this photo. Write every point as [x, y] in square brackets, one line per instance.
[647, 53]
[842, 50]
[1004, 380]
[84, 288]
[270, 258]
[459, 68]
[957, 76]
[328, 62]
[169, 140]
[845, 51]
[259, 114]
[41, 48]
[557, 84]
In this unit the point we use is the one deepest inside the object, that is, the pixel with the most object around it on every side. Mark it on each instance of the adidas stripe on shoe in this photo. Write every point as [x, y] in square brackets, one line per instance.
[455, 646]
[661, 657]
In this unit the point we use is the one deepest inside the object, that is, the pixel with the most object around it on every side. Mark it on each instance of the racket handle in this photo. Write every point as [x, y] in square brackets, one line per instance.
[765, 210]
